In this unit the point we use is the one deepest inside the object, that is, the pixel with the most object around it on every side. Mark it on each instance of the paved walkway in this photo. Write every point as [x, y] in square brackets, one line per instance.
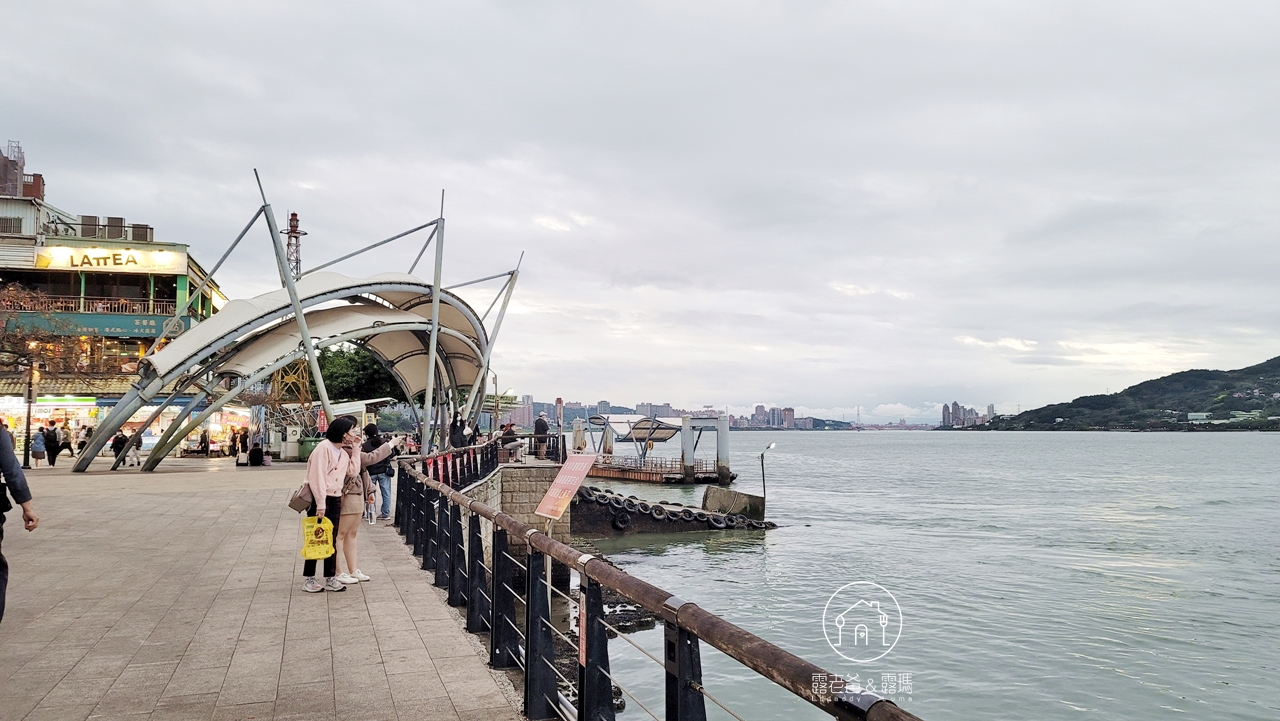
[176, 595]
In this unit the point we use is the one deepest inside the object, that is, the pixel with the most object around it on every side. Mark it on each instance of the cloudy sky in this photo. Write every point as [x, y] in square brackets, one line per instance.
[825, 205]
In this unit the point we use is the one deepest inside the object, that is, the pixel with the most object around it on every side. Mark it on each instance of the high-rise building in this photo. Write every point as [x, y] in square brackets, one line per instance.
[788, 418]
[526, 400]
[761, 416]
[957, 417]
[991, 411]
[946, 414]
[775, 417]
[603, 407]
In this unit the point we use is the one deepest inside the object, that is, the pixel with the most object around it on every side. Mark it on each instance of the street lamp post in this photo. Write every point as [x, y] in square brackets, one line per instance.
[764, 491]
[31, 397]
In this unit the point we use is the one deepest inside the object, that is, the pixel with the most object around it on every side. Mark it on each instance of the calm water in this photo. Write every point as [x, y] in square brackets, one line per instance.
[1046, 576]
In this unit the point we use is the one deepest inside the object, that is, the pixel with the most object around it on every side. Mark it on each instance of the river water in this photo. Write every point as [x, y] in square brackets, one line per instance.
[1039, 575]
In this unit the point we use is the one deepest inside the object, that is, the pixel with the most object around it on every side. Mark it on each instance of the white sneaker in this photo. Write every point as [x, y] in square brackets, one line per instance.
[333, 584]
[360, 576]
[311, 585]
[346, 578]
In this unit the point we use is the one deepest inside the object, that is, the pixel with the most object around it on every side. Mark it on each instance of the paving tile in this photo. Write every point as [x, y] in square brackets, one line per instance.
[189, 681]
[312, 699]
[502, 713]
[440, 709]
[78, 692]
[418, 686]
[59, 713]
[245, 712]
[469, 684]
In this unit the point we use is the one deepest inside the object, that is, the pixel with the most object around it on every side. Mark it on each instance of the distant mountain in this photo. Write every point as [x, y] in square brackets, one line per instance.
[1164, 403]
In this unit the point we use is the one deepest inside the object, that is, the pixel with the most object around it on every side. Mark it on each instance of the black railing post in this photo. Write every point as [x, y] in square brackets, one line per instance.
[431, 498]
[684, 668]
[595, 692]
[539, 674]
[396, 517]
[409, 520]
[421, 519]
[502, 617]
[457, 559]
[442, 543]
[477, 581]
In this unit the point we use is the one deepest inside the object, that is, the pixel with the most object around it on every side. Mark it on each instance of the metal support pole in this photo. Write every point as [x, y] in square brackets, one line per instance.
[286, 275]
[502, 615]
[163, 444]
[488, 352]
[429, 400]
[31, 396]
[457, 559]
[723, 475]
[539, 674]
[595, 691]
[477, 579]
[687, 464]
[684, 668]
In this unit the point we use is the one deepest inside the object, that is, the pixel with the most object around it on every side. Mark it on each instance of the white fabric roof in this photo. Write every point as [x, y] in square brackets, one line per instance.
[240, 318]
[405, 351]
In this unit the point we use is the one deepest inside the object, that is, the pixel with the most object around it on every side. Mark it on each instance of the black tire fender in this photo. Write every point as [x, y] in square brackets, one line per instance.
[621, 520]
[615, 501]
[629, 506]
[658, 513]
[602, 499]
[716, 522]
[643, 507]
[686, 515]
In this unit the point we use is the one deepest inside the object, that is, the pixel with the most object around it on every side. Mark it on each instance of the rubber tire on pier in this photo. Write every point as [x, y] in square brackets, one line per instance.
[643, 507]
[700, 516]
[717, 522]
[758, 525]
[629, 506]
[602, 499]
[658, 513]
[621, 520]
[686, 515]
[616, 501]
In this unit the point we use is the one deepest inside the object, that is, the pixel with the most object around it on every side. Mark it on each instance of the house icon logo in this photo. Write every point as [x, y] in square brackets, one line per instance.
[862, 621]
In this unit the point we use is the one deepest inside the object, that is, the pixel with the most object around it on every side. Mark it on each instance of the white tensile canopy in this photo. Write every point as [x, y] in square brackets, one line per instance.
[247, 340]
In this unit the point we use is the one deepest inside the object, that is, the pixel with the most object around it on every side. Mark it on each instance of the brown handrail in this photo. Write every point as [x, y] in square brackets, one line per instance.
[774, 663]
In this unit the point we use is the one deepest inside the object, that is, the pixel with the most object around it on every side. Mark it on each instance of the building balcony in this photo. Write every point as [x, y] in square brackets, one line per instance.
[77, 304]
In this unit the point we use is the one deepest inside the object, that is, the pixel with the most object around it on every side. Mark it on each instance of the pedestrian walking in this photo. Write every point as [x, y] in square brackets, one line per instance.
[118, 443]
[37, 447]
[51, 443]
[134, 458]
[204, 443]
[65, 437]
[15, 485]
[380, 472]
[541, 433]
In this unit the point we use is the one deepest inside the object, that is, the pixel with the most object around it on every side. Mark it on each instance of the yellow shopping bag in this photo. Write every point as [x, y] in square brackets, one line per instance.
[317, 538]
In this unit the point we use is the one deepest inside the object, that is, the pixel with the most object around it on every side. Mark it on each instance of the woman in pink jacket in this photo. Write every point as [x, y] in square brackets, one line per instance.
[335, 459]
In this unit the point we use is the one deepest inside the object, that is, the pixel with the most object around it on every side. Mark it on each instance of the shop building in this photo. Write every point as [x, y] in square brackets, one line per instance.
[103, 286]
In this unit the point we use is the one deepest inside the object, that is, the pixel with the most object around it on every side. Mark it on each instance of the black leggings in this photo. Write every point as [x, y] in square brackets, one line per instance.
[332, 511]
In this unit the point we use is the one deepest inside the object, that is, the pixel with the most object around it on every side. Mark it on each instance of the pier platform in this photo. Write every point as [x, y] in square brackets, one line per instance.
[177, 595]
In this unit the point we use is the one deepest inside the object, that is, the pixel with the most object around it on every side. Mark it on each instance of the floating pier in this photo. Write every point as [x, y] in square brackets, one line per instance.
[599, 512]
[643, 432]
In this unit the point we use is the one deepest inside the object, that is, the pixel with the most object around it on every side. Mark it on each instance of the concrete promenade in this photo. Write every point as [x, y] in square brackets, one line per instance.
[177, 595]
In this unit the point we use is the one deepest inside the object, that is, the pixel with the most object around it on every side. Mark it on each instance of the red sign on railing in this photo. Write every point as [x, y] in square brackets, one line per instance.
[565, 486]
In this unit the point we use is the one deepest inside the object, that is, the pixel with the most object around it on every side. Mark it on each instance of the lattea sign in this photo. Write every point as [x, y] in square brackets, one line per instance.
[565, 486]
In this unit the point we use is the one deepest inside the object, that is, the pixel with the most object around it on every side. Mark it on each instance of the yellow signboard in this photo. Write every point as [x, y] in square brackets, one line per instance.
[112, 260]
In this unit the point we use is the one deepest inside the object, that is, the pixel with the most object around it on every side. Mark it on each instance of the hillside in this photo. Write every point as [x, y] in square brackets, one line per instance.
[1163, 403]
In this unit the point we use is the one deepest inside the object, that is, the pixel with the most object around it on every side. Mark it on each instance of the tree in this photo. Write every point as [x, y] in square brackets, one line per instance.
[33, 335]
[352, 373]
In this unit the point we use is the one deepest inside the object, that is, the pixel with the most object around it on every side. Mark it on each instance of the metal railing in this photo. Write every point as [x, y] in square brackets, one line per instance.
[77, 304]
[666, 465]
[430, 514]
[555, 449]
